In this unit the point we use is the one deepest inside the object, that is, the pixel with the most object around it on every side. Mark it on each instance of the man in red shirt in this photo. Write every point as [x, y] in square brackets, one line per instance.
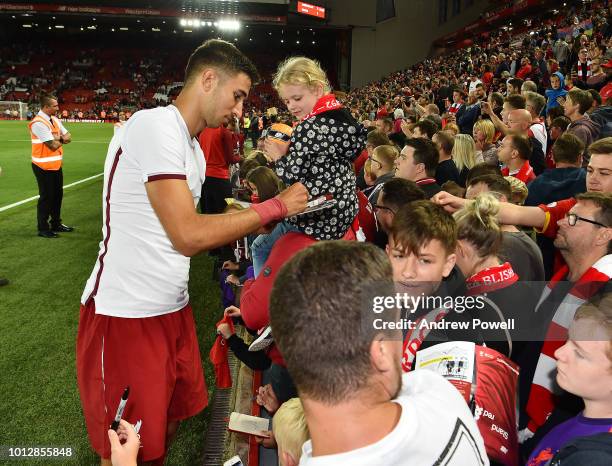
[525, 70]
[514, 154]
[217, 145]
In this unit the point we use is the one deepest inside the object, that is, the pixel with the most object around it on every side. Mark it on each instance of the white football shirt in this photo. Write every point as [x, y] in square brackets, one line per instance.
[435, 427]
[138, 272]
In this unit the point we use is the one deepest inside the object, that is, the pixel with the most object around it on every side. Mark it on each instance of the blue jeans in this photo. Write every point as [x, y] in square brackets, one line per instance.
[263, 244]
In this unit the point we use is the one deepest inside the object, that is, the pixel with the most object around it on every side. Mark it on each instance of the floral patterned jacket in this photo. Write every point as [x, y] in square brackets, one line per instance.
[320, 156]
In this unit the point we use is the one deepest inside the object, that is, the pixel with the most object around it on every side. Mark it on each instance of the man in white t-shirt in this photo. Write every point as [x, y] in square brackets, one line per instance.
[136, 327]
[359, 408]
[534, 103]
[474, 81]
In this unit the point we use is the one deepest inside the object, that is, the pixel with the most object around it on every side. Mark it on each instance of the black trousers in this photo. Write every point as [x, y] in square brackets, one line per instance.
[214, 192]
[51, 191]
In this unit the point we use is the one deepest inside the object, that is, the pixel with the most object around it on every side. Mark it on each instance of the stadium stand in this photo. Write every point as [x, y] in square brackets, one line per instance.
[524, 87]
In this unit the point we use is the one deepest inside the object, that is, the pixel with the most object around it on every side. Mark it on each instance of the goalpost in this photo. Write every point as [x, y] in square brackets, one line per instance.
[13, 110]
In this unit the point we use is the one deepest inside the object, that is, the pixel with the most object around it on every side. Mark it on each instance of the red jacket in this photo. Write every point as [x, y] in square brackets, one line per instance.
[524, 72]
[216, 143]
[255, 298]
[360, 161]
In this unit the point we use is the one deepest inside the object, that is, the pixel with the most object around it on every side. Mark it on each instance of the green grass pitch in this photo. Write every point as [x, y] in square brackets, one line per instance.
[39, 309]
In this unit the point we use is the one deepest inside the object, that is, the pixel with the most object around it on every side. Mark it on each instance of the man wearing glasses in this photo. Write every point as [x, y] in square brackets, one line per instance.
[582, 228]
[583, 67]
[394, 194]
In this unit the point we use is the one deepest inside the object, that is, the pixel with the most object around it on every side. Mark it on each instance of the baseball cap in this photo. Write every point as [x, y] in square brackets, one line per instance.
[608, 64]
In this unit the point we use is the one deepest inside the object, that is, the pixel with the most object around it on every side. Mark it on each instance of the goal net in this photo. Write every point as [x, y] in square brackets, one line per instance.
[13, 110]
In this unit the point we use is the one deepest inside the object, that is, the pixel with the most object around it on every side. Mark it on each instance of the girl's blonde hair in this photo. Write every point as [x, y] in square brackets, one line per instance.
[464, 152]
[488, 129]
[290, 428]
[301, 71]
[477, 223]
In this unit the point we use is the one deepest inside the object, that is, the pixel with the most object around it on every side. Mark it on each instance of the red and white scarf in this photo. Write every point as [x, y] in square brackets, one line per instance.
[589, 72]
[425, 181]
[324, 104]
[541, 400]
[487, 280]
[491, 279]
[454, 108]
[417, 334]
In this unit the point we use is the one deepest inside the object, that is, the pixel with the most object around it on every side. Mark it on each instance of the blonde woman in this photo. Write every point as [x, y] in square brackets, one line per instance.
[484, 132]
[479, 242]
[464, 156]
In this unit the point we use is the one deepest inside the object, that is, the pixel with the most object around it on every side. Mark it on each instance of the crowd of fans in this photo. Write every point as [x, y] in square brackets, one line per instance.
[513, 136]
[483, 177]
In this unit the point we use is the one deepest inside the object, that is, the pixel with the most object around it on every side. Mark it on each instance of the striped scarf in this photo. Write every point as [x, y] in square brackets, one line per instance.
[542, 396]
[589, 73]
[454, 108]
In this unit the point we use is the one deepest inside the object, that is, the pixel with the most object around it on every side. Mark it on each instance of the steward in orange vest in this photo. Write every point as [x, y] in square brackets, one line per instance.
[48, 136]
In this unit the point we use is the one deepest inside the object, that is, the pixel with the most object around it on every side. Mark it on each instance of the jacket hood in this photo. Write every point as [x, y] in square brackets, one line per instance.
[559, 75]
[592, 125]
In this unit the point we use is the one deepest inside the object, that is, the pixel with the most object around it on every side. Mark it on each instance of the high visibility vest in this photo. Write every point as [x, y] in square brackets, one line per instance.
[42, 156]
[247, 123]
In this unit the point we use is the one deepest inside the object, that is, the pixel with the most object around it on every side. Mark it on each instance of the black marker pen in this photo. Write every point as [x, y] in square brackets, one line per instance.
[120, 408]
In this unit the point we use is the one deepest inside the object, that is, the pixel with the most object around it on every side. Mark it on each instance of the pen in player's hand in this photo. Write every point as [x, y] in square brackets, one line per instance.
[120, 408]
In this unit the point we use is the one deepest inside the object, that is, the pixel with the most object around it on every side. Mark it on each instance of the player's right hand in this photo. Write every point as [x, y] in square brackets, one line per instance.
[295, 198]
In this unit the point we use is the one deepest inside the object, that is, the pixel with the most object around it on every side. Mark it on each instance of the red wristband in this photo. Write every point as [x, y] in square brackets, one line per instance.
[271, 210]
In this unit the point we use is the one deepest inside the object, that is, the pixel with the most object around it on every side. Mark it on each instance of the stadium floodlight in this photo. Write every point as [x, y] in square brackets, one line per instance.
[229, 25]
[183, 22]
[209, 23]
[189, 22]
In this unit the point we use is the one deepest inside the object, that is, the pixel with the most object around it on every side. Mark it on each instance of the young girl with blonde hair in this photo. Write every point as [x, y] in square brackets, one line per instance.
[322, 148]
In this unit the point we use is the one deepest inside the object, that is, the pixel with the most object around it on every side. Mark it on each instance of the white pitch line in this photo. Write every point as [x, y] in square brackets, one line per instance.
[73, 142]
[10, 206]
